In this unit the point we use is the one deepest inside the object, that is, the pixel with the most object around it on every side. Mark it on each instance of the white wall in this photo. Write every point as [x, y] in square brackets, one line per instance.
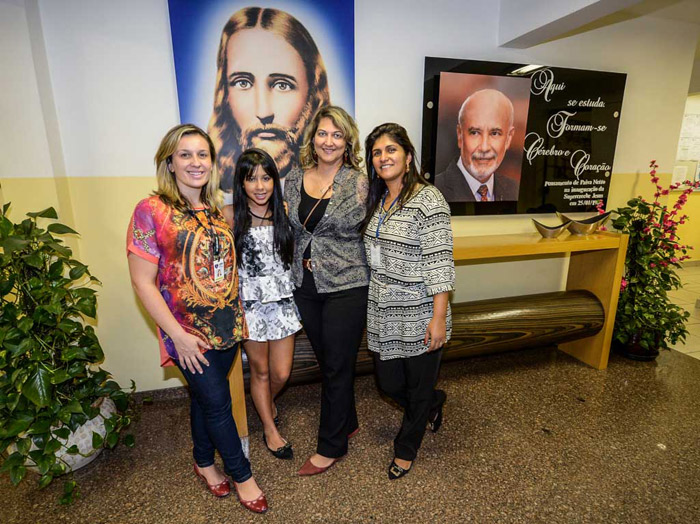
[23, 141]
[111, 75]
[113, 80]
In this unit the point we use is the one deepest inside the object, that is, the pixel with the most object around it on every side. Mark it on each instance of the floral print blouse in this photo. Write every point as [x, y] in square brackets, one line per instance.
[180, 243]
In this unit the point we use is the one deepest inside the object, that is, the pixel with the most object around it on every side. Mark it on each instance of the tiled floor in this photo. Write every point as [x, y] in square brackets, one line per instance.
[688, 297]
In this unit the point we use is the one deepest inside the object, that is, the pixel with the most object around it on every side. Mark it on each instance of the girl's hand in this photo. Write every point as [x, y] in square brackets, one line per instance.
[436, 333]
[189, 348]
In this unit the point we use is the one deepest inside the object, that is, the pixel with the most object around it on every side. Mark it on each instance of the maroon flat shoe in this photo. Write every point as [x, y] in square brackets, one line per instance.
[259, 505]
[309, 468]
[220, 490]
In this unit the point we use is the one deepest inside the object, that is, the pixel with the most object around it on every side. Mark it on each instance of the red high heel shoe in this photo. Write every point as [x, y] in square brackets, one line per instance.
[220, 490]
[259, 505]
[309, 469]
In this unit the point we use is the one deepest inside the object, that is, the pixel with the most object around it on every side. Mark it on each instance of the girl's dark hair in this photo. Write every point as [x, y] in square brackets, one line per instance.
[377, 186]
[283, 238]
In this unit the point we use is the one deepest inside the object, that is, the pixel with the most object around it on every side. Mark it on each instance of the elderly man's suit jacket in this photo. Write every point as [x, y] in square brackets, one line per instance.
[455, 188]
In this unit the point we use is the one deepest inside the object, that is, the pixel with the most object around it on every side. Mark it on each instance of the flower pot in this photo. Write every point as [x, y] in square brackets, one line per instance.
[634, 350]
[81, 437]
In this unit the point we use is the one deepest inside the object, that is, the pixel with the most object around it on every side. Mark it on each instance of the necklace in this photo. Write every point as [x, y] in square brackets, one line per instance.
[258, 216]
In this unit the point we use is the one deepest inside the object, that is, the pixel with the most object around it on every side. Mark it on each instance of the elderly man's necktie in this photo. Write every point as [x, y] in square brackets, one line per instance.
[484, 192]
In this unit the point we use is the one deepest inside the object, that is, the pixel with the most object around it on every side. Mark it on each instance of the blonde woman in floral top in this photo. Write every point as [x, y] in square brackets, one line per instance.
[408, 242]
[182, 264]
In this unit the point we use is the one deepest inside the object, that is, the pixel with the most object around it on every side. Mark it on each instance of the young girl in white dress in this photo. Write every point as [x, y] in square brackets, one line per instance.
[264, 247]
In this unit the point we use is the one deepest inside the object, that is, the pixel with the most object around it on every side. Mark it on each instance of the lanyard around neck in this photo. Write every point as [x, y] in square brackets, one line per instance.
[209, 230]
[383, 216]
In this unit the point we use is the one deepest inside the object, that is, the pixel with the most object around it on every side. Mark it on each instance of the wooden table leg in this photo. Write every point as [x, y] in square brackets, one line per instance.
[599, 272]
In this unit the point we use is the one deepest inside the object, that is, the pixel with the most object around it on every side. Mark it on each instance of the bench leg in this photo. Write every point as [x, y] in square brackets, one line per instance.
[235, 380]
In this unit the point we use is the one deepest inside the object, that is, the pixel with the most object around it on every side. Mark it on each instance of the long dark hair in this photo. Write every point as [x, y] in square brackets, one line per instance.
[283, 239]
[377, 186]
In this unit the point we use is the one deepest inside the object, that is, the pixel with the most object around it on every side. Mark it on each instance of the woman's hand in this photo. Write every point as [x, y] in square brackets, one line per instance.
[436, 333]
[189, 348]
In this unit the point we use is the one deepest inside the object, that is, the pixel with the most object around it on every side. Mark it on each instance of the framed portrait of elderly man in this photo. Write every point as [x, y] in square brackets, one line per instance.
[254, 75]
[481, 129]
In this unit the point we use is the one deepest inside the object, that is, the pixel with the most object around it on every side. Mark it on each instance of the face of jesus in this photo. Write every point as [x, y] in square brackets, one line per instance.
[267, 92]
[485, 132]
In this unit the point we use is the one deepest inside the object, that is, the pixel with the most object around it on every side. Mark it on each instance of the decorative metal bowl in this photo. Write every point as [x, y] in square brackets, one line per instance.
[587, 226]
[550, 231]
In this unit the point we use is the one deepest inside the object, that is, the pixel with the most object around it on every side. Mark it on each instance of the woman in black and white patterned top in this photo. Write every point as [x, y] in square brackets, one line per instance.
[408, 242]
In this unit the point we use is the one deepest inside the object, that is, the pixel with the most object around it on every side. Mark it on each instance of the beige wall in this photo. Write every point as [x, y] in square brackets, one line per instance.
[110, 73]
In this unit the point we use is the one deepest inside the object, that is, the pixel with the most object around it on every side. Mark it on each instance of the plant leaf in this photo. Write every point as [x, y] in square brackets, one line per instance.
[112, 439]
[12, 244]
[86, 306]
[52, 446]
[60, 376]
[97, 440]
[14, 460]
[38, 388]
[49, 212]
[61, 250]
[7, 285]
[23, 445]
[56, 269]
[34, 260]
[73, 353]
[39, 427]
[17, 425]
[45, 480]
[77, 271]
[17, 474]
[129, 441]
[62, 433]
[60, 229]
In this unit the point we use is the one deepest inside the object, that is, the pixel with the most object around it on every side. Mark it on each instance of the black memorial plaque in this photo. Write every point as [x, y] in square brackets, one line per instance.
[569, 143]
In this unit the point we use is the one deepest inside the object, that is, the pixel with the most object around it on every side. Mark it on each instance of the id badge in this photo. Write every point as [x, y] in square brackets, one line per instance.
[375, 254]
[218, 269]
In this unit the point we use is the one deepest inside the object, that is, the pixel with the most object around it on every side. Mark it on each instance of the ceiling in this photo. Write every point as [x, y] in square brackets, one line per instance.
[679, 10]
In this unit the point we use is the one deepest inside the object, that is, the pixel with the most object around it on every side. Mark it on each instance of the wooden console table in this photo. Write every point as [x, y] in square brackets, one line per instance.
[596, 264]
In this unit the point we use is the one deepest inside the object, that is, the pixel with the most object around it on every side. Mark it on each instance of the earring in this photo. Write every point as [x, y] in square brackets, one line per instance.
[346, 156]
[314, 156]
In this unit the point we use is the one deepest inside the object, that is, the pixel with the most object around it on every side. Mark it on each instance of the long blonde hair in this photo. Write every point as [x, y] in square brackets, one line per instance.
[343, 121]
[167, 185]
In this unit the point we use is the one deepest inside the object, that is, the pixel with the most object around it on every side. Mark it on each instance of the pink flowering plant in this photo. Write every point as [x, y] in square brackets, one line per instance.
[645, 314]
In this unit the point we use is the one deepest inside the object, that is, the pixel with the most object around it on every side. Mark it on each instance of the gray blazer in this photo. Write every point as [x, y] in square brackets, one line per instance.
[455, 188]
[337, 252]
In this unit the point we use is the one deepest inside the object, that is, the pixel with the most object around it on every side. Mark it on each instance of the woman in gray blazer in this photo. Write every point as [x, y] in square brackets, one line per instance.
[326, 199]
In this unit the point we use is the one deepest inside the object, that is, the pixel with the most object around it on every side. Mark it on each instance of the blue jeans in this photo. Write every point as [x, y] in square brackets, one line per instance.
[211, 419]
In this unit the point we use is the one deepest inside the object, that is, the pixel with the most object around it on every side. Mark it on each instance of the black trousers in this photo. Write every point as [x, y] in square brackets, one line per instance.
[410, 382]
[334, 323]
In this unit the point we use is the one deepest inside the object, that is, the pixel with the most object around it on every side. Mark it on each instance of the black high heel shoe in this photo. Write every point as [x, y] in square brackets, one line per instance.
[283, 452]
[396, 471]
[435, 419]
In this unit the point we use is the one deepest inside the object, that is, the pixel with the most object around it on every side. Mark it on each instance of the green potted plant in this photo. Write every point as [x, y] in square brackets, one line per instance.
[53, 395]
[647, 320]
